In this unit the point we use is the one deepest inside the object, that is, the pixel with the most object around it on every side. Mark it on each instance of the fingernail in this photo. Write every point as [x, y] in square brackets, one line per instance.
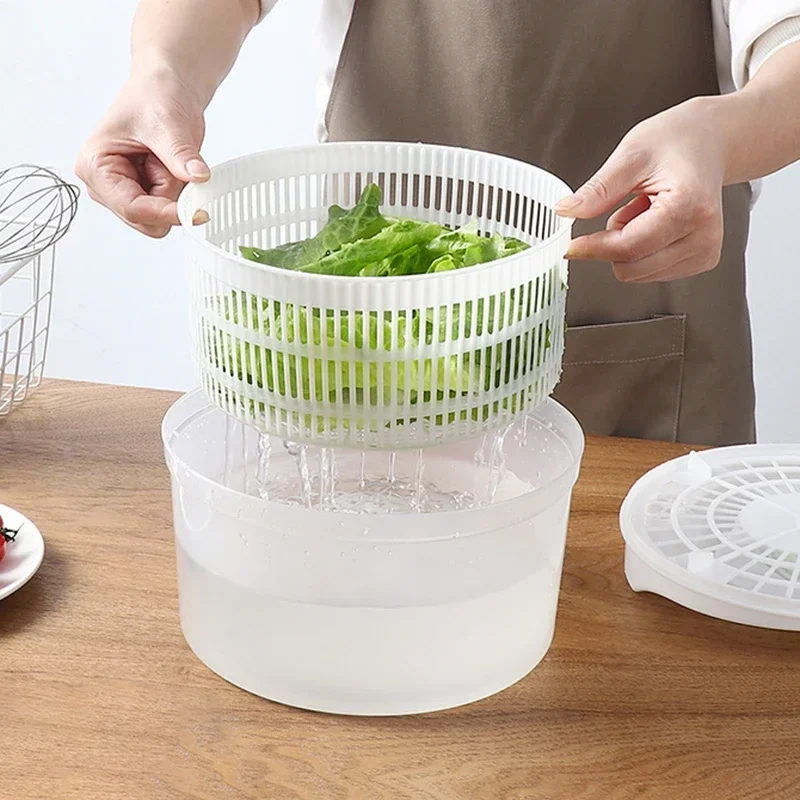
[197, 169]
[567, 204]
[573, 251]
[200, 217]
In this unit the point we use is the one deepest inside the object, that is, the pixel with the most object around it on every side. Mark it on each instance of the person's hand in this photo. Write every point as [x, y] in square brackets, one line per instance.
[673, 165]
[144, 152]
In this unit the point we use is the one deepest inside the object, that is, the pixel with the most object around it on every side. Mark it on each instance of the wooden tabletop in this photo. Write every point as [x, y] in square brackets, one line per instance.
[100, 696]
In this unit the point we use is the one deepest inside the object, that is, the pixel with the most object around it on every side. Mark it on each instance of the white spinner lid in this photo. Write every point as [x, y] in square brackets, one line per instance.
[719, 532]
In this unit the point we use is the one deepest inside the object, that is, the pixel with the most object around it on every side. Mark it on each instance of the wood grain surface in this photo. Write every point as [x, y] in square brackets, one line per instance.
[100, 698]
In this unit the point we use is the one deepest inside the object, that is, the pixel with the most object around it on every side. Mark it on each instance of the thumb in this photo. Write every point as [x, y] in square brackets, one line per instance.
[181, 156]
[607, 188]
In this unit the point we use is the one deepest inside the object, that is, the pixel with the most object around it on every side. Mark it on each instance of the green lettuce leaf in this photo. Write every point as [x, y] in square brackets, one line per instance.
[332, 251]
[343, 227]
[391, 240]
[406, 262]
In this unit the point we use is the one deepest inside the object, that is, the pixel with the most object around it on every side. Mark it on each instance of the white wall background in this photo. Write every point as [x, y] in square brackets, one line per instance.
[120, 302]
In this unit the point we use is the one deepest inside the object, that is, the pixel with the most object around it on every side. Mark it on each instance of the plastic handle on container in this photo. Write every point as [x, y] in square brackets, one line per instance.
[185, 214]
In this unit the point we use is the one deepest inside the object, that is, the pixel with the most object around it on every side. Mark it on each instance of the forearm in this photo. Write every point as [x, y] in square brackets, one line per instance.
[760, 125]
[197, 41]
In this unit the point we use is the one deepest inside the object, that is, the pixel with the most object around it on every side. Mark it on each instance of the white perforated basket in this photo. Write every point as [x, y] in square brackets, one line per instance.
[376, 362]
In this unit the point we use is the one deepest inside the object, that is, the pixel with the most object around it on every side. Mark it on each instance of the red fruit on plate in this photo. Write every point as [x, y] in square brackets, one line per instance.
[6, 535]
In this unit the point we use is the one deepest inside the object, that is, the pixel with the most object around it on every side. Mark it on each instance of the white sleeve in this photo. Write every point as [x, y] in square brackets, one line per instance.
[776, 38]
[758, 29]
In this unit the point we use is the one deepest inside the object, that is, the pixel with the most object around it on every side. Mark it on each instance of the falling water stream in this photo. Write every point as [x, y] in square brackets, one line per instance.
[362, 475]
[263, 453]
[343, 481]
[327, 479]
[418, 484]
[496, 464]
[299, 453]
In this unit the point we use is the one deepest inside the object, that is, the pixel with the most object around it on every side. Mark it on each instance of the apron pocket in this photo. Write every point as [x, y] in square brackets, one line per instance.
[625, 378]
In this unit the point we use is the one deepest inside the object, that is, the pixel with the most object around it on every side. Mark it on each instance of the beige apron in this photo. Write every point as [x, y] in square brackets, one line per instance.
[558, 84]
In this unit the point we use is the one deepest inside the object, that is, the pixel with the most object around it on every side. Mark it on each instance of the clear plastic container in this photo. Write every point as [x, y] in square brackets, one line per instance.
[403, 610]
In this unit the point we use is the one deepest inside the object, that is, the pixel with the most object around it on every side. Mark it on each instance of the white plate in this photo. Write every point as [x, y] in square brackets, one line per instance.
[23, 556]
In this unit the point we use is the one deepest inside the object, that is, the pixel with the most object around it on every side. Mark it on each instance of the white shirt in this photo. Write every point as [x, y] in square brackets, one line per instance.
[746, 34]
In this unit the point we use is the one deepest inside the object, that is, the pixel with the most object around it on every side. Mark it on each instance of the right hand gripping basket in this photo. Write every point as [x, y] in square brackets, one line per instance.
[376, 362]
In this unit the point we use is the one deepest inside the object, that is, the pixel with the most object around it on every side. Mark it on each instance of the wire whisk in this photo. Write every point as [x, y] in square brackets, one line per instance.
[37, 208]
